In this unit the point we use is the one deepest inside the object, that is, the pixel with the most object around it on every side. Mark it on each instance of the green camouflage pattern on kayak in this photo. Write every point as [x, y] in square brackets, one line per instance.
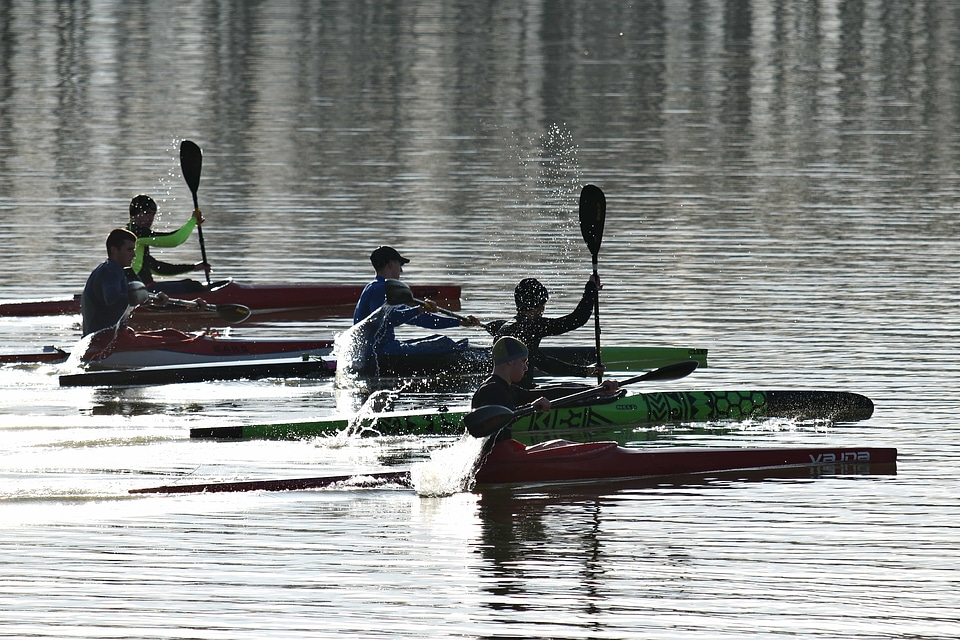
[636, 409]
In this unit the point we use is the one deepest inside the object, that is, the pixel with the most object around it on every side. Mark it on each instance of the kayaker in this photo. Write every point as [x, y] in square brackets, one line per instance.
[502, 388]
[143, 209]
[107, 293]
[530, 327]
[388, 264]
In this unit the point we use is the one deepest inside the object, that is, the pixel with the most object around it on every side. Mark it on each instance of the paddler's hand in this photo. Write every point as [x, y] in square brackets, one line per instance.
[595, 279]
[471, 321]
[201, 304]
[429, 306]
[199, 217]
[596, 370]
[610, 387]
[541, 404]
[205, 266]
[162, 298]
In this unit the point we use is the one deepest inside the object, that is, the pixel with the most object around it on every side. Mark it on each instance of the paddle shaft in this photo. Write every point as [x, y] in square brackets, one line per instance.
[669, 372]
[489, 420]
[398, 292]
[203, 247]
[596, 321]
[230, 312]
[447, 312]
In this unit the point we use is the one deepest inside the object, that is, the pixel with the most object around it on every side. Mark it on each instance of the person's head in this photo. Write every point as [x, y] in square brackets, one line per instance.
[121, 246]
[510, 359]
[388, 262]
[142, 210]
[530, 296]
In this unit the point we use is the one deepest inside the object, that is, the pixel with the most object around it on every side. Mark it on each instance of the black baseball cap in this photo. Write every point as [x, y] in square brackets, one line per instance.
[382, 255]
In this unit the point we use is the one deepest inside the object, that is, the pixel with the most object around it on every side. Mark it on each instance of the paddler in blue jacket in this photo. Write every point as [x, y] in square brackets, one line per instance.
[388, 263]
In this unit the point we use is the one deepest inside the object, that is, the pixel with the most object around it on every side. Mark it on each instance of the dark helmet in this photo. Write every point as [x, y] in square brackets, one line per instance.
[529, 294]
[141, 204]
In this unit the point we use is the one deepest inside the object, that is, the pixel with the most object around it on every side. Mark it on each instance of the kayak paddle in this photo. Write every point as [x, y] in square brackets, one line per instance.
[191, 161]
[399, 293]
[491, 419]
[593, 211]
[138, 294]
[232, 313]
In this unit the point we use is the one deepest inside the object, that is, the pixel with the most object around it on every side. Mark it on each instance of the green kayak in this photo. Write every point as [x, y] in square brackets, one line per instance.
[634, 409]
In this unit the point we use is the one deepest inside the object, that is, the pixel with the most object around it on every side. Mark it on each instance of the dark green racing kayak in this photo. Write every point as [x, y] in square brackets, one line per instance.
[635, 409]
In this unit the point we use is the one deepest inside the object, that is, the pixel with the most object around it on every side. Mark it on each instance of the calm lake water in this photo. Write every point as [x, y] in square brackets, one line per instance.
[781, 183]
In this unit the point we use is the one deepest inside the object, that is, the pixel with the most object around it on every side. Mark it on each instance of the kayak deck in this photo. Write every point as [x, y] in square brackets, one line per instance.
[639, 408]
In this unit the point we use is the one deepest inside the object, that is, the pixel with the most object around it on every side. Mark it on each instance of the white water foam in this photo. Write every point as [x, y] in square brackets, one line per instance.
[450, 470]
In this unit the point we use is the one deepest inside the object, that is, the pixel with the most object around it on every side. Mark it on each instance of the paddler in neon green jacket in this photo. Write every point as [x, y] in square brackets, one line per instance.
[142, 211]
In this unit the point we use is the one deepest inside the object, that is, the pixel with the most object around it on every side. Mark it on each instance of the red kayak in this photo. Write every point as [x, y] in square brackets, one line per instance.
[510, 462]
[128, 349]
[564, 461]
[272, 298]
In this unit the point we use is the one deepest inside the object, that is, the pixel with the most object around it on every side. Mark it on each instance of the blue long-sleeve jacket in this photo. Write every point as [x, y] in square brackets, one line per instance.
[374, 296]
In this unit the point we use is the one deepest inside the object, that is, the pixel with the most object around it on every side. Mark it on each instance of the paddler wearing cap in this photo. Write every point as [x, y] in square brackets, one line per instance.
[388, 264]
[530, 327]
[510, 362]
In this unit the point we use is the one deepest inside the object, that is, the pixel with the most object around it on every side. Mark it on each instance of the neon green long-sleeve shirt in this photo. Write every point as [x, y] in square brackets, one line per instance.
[165, 240]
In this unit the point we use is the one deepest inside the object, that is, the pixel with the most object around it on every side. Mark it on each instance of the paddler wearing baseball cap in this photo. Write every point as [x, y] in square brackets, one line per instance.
[388, 264]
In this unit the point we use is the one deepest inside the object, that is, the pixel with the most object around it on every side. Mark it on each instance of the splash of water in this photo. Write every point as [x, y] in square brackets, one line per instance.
[355, 348]
[75, 362]
[450, 470]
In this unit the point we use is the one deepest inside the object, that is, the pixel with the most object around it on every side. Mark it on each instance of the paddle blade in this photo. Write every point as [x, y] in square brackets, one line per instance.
[399, 293]
[673, 371]
[232, 313]
[593, 212]
[191, 161]
[488, 420]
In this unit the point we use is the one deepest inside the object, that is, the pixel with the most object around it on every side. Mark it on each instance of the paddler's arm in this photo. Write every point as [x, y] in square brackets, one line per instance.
[579, 316]
[166, 240]
[532, 398]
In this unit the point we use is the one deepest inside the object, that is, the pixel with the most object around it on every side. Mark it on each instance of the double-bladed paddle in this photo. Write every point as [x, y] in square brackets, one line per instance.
[593, 211]
[138, 294]
[399, 293]
[491, 419]
[232, 313]
[191, 161]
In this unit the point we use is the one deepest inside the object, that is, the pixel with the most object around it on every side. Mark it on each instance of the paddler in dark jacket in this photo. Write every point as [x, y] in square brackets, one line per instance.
[530, 327]
[142, 212]
[501, 388]
[509, 369]
[107, 292]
